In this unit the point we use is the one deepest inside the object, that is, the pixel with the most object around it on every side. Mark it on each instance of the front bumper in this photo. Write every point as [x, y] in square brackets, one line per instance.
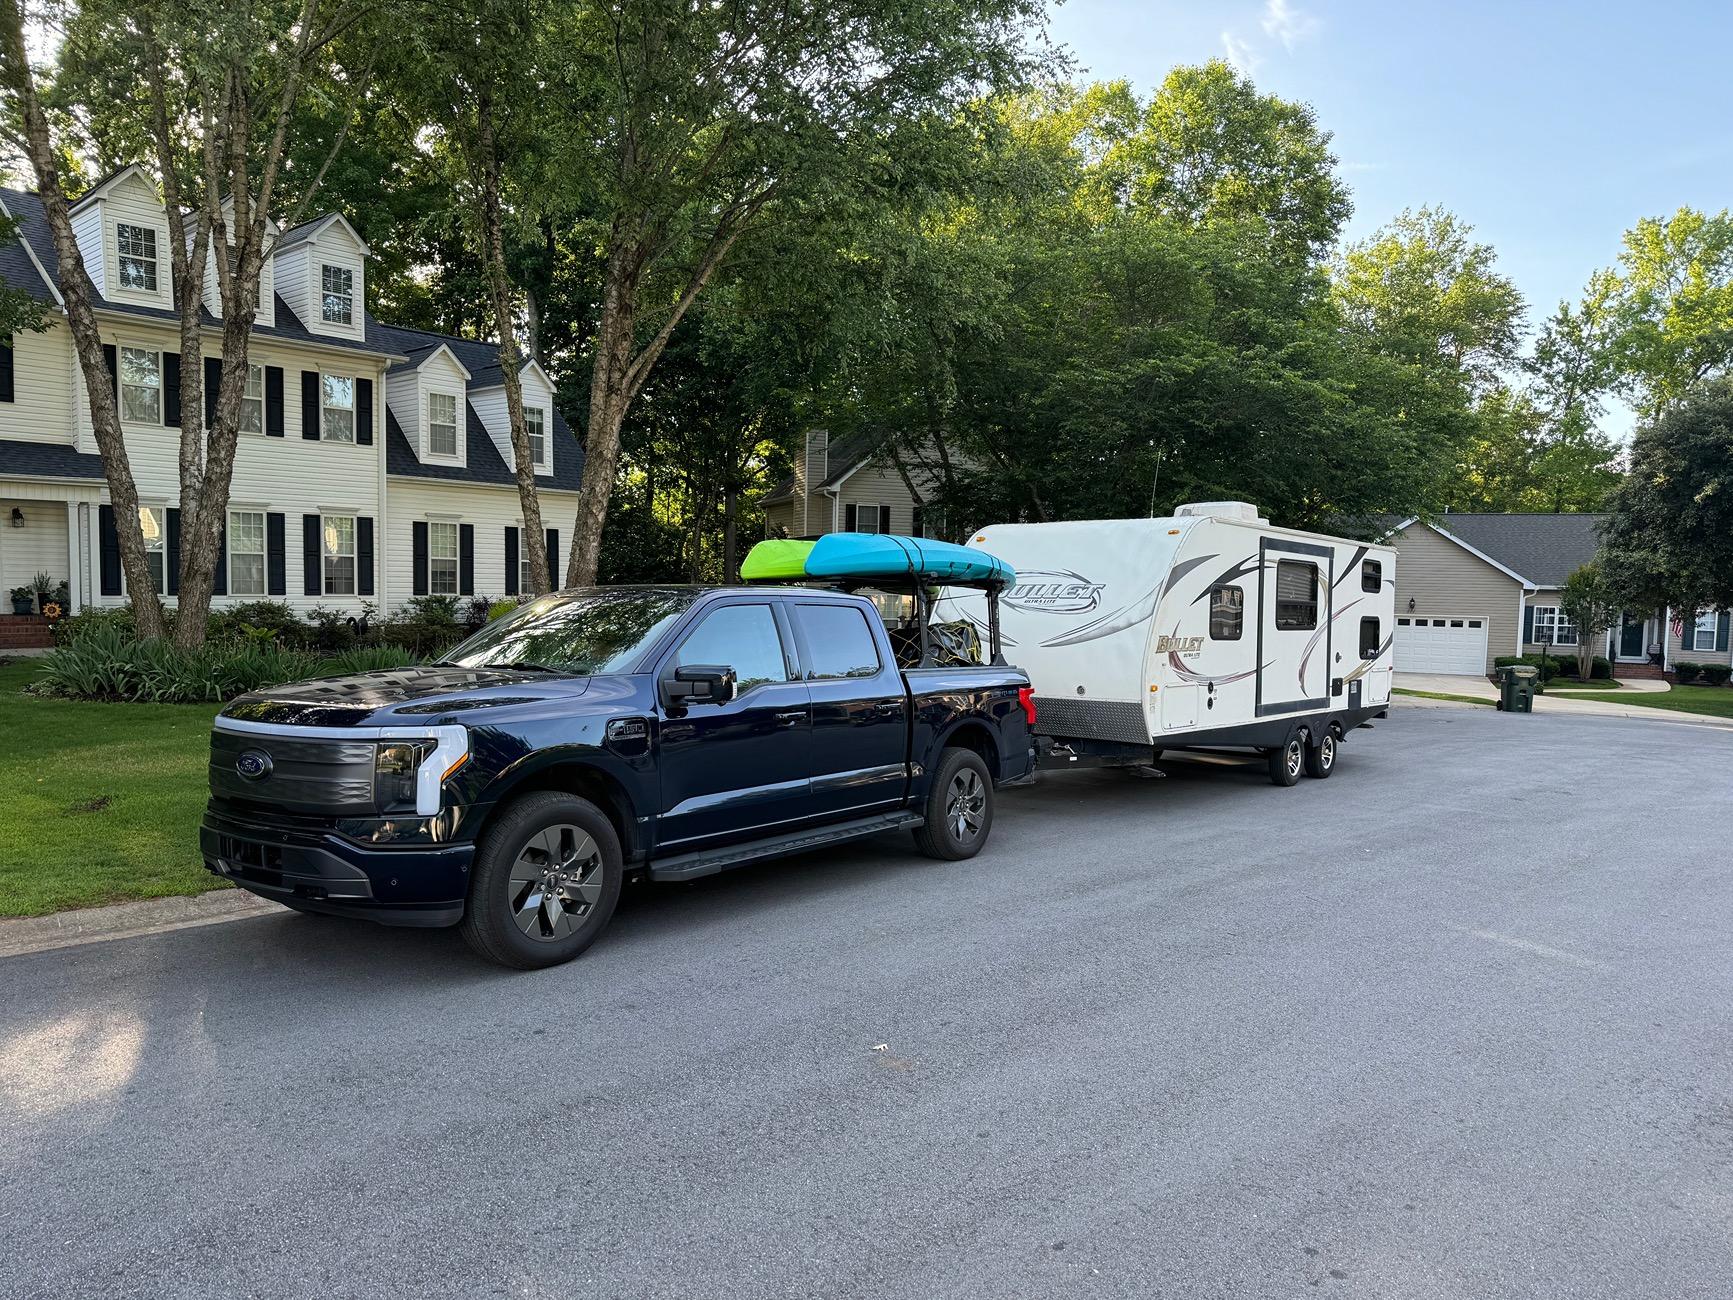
[317, 871]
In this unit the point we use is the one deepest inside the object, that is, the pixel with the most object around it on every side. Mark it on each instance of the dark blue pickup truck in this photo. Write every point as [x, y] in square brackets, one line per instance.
[673, 731]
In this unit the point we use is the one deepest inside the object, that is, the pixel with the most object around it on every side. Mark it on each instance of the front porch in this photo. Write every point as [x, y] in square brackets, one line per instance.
[39, 532]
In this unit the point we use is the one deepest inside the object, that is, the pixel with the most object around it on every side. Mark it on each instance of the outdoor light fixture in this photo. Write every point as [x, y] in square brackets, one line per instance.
[1411, 604]
[17, 517]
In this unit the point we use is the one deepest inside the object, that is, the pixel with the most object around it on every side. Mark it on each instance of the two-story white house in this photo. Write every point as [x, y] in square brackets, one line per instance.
[374, 463]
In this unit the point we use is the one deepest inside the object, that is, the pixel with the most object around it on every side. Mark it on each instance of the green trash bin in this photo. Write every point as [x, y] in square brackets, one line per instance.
[1516, 687]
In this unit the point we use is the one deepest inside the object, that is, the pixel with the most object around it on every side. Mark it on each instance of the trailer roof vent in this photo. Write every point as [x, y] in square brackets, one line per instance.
[1242, 511]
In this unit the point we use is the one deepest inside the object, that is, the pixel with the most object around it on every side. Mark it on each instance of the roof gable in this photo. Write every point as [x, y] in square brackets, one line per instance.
[331, 225]
[131, 174]
[1543, 550]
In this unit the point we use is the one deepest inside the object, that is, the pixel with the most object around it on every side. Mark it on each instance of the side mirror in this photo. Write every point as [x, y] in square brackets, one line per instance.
[699, 684]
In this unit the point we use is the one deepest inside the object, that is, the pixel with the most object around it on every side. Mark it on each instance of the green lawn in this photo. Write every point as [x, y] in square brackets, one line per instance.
[1441, 695]
[1715, 701]
[98, 802]
[1572, 684]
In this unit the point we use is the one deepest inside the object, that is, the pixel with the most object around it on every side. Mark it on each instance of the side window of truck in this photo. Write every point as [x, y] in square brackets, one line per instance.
[1227, 613]
[839, 642]
[744, 637]
[1296, 596]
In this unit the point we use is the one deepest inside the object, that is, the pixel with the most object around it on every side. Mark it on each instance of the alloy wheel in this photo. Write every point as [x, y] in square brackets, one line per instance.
[1296, 756]
[1327, 751]
[966, 804]
[556, 882]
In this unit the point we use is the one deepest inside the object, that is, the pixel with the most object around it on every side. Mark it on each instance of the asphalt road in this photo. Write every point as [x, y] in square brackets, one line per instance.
[1457, 1022]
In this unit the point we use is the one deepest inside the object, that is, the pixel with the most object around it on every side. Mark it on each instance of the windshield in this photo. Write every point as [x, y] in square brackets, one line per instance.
[577, 632]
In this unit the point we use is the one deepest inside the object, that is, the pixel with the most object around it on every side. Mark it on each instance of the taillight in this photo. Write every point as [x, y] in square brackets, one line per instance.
[1026, 698]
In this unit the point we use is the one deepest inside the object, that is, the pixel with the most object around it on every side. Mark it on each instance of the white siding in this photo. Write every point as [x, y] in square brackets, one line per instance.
[38, 547]
[87, 232]
[213, 294]
[289, 271]
[135, 202]
[408, 391]
[1445, 581]
[490, 409]
[489, 508]
[43, 389]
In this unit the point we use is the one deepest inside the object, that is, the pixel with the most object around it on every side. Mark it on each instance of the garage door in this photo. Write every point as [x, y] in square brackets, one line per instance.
[1441, 645]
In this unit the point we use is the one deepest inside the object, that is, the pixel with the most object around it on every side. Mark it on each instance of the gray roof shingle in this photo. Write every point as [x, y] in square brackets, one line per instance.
[47, 460]
[845, 453]
[1544, 549]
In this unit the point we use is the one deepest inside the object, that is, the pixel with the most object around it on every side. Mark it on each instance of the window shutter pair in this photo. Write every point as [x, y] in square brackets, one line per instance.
[851, 518]
[310, 406]
[312, 556]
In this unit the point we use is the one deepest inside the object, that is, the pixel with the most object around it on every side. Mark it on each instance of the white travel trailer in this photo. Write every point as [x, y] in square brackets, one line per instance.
[1209, 629]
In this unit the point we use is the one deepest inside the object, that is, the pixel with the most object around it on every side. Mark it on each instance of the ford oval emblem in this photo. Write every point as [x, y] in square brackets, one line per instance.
[254, 764]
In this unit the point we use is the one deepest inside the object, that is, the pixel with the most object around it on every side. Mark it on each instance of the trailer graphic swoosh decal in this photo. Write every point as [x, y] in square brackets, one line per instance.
[1319, 636]
[1371, 663]
[1127, 615]
[1247, 566]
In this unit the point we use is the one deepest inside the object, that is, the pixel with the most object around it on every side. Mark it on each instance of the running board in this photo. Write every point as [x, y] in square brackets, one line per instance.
[707, 862]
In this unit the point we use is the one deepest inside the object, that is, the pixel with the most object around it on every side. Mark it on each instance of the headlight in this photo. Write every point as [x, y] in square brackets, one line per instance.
[395, 765]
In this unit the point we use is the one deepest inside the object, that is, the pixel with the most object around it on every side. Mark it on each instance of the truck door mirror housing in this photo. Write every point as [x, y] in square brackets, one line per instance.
[698, 684]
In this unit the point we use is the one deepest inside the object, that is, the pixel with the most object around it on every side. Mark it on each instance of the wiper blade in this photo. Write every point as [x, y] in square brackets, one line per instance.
[524, 666]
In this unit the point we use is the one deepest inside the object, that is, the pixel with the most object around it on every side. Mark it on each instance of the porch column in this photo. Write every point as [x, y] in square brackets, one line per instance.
[74, 550]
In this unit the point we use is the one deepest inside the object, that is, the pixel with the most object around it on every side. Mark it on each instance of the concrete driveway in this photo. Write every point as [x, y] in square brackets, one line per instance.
[1453, 1023]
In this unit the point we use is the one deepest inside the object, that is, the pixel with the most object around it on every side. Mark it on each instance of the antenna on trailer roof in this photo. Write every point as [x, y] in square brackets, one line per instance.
[1154, 481]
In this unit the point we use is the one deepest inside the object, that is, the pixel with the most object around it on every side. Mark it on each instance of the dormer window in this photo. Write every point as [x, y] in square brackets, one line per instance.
[337, 295]
[137, 246]
[441, 424]
[535, 425]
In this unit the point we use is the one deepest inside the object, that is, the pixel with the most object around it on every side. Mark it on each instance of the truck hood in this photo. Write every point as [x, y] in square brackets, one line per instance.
[410, 695]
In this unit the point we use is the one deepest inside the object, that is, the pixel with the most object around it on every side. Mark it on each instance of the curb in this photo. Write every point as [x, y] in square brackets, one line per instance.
[24, 935]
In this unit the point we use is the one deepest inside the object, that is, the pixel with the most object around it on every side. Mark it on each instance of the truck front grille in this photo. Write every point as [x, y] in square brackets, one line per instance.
[296, 774]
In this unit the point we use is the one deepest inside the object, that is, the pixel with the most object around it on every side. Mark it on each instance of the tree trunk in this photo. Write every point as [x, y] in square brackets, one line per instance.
[486, 168]
[608, 402]
[78, 296]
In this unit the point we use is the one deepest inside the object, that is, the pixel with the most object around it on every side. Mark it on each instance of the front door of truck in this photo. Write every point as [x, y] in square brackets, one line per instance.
[860, 720]
[1294, 652]
[739, 767]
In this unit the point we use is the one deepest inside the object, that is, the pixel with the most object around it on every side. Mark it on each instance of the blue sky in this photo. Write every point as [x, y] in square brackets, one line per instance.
[1551, 128]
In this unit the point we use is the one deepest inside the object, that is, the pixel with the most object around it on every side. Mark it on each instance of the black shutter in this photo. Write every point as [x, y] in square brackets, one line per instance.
[553, 559]
[112, 361]
[310, 405]
[511, 562]
[171, 389]
[1528, 625]
[850, 516]
[312, 577]
[364, 556]
[273, 401]
[276, 557]
[466, 559]
[172, 557]
[6, 369]
[364, 412]
[213, 381]
[418, 548]
[1721, 631]
[220, 576]
[884, 519]
[108, 549]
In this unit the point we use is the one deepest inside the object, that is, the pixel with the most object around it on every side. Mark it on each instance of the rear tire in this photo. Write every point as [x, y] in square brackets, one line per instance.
[1289, 761]
[1321, 757]
[959, 808]
[545, 882]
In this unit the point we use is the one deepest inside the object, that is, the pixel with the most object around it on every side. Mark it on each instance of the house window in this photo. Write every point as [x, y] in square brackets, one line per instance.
[930, 522]
[1704, 629]
[246, 553]
[442, 424]
[442, 559]
[535, 425]
[140, 386]
[337, 416]
[1551, 627]
[867, 519]
[253, 401]
[1227, 613]
[337, 295]
[1371, 576]
[153, 523]
[339, 550]
[523, 565]
[137, 245]
[1370, 638]
[1296, 596]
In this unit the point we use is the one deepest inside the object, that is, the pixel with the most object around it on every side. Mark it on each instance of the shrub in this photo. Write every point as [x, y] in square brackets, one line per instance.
[367, 659]
[500, 608]
[423, 625]
[259, 620]
[109, 663]
[1601, 669]
[1717, 674]
[71, 630]
[1686, 672]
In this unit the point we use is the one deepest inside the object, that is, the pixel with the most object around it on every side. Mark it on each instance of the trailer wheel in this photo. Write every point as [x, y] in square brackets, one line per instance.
[546, 878]
[1289, 761]
[1321, 757]
[959, 808]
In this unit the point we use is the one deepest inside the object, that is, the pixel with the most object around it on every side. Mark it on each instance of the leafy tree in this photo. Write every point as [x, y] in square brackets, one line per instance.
[1669, 540]
[1591, 602]
[19, 312]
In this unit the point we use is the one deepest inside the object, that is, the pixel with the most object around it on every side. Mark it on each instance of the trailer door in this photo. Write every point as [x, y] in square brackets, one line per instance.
[1294, 600]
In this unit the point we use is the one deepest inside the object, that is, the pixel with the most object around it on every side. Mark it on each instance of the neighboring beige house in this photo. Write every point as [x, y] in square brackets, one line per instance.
[1472, 587]
[849, 485]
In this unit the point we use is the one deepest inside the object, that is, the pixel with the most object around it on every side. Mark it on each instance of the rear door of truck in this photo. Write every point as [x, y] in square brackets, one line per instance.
[860, 706]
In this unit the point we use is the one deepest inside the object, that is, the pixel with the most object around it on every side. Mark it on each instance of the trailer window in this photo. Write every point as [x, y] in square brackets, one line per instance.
[838, 642]
[1227, 613]
[1296, 596]
[1369, 638]
[1371, 576]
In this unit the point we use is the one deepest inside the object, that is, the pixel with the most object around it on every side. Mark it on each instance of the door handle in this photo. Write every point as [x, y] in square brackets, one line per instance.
[792, 718]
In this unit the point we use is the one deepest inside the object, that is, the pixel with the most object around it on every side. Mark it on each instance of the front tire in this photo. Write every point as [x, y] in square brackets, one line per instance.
[959, 808]
[545, 882]
[1321, 757]
[1289, 761]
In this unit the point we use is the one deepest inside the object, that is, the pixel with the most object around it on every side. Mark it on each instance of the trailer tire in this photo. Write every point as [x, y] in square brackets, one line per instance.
[958, 809]
[1321, 756]
[1287, 762]
[546, 838]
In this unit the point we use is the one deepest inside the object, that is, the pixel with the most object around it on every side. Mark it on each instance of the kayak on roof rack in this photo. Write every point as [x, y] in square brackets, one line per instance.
[875, 557]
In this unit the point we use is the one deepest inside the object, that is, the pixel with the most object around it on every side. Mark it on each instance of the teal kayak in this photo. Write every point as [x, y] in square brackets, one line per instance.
[864, 557]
